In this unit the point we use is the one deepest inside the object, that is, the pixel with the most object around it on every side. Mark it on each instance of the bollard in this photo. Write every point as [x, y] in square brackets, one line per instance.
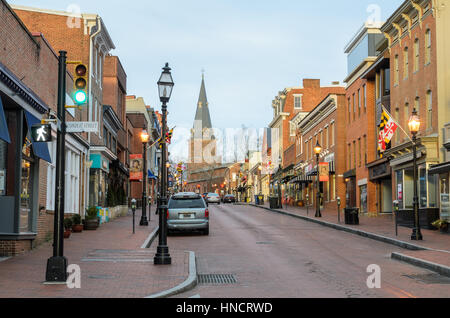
[339, 209]
[307, 204]
[133, 208]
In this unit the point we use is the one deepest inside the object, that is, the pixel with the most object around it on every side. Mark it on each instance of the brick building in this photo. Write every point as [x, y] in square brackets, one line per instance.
[411, 34]
[290, 107]
[360, 118]
[325, 125]
[114, 125]
[142, 117]
[28, 91]
[86, 39]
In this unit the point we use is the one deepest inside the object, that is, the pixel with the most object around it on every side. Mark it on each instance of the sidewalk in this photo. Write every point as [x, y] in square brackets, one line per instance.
[112, 261]
[432, 253]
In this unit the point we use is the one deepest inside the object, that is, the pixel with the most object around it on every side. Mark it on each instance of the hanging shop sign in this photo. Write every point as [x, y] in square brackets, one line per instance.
[324, 172]
[136, 169]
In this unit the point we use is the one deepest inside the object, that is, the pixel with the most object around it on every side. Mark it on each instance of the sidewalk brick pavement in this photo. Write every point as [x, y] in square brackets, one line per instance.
[436, 245]
[112, 262]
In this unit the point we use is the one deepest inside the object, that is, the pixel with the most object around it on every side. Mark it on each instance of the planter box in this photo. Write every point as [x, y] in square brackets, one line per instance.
[426, 217]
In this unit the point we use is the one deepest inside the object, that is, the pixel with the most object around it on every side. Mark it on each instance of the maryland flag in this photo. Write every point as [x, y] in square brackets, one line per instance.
[169, 136]
[388, 127]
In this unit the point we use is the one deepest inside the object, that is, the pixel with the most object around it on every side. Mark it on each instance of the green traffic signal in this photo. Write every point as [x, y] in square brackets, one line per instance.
[80, 97]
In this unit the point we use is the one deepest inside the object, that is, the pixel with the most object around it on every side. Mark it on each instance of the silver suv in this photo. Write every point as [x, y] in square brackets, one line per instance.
[188, 212]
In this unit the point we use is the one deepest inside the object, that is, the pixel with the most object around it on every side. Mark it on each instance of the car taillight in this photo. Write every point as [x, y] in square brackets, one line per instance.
[168, 214]
[207, 213]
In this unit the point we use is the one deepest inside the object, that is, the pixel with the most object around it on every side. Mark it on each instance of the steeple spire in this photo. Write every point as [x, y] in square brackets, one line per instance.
[202, 114]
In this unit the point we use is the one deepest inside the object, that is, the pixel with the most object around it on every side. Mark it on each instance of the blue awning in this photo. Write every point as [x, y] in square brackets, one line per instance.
[4, 133]
[40, 149]
[151, 175]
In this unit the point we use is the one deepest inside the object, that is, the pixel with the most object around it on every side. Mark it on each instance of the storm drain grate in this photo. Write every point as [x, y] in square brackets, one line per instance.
[216, 279]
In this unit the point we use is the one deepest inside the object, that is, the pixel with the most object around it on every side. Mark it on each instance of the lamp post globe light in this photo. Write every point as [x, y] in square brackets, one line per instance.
[317, 151]
[145, 139]
[165, 87]
[414, 127]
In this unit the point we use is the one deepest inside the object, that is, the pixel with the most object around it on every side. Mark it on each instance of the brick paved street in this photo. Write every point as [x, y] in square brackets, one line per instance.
[384, 225]
[113, 265]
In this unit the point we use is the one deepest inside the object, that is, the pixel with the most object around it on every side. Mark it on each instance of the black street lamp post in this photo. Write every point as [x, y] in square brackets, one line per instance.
[317, 151]
[414, 126]
[144, 138]
[165, 86]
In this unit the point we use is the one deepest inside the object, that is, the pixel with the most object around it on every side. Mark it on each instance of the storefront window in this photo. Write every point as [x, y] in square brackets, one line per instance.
[26, 202]
[432, 191]
[399, 179]
[423, 187]
[363, 198]
[445, 196]
[3, 152]
[408, 188]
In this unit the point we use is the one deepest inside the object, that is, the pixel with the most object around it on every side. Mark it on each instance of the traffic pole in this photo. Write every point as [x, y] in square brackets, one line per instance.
[57, 265]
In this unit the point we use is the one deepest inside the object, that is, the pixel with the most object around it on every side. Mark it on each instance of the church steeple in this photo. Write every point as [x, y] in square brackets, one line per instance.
[202, 116]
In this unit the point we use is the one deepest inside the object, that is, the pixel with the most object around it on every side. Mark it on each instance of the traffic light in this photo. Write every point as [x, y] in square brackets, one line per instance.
[80, 84]
[41, 133]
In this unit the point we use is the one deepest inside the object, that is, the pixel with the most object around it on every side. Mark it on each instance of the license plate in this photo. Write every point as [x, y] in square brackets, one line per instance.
[187, 216]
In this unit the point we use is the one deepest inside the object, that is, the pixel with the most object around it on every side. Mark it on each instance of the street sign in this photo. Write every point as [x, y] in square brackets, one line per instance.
[80, 126]
[41, 133]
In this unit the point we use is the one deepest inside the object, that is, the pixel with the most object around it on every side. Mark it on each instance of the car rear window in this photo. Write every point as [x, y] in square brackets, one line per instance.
[186, 203]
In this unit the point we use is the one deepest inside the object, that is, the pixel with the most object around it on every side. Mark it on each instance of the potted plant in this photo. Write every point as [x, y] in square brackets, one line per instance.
[441, 225]
[91, 222]
[77, 227]
[67, 227]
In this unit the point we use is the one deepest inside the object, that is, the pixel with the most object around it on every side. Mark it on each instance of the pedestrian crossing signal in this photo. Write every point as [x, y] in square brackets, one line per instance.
[41, 133]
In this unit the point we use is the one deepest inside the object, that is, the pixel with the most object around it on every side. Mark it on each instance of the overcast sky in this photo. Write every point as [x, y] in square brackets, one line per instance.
[249, 49]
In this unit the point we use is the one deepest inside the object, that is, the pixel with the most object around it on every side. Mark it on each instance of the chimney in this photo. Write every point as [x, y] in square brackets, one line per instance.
[311, 83]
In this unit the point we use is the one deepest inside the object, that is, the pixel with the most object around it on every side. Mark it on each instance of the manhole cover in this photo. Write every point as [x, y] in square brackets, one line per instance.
[430, 279]
[265, 243]
[216, 279]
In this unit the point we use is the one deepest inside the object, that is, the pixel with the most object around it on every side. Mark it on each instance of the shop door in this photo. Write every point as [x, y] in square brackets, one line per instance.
[351, 193]
[26, 197]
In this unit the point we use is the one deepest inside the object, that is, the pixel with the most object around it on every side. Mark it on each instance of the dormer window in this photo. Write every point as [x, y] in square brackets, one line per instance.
[298, 101]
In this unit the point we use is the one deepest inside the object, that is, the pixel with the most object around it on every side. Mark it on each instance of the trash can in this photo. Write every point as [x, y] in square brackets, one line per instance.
[352, 216]
[256, 200]
[260, 199]
[274, 203]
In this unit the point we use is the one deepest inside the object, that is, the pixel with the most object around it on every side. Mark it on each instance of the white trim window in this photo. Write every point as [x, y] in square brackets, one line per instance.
[72, 182]
[298, 101]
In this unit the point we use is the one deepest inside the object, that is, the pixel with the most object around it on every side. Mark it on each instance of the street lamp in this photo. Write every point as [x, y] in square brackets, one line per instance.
[145, 137]
[317, 151]
[414, 127]
[165, 87]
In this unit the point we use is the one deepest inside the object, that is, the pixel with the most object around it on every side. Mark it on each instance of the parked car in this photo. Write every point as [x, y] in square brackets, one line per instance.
[188, 212]
[229, 198]
[213, 198]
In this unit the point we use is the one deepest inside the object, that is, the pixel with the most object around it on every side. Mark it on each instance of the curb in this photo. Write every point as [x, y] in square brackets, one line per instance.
[438, 268]
[373, 236]
[148, 242]
[188, 284]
